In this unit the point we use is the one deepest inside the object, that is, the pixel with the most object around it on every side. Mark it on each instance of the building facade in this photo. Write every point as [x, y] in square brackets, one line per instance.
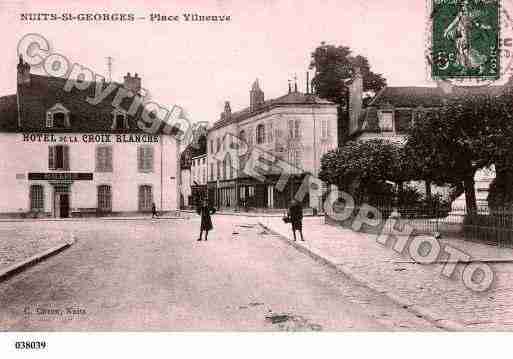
[67, 157]
[293, 131]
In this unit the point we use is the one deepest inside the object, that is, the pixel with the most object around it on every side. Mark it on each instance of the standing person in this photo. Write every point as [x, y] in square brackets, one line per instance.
[206, 222]
[154, 212]
[295, 215]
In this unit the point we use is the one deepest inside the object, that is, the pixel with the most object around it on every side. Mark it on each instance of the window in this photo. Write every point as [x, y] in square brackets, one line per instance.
[104, 198]
[250, 137]
[230, 167]
[58, 157]
[211, 146]
[224, 168]
[119, 121]
[145, 198]
[218, 147]
[59, 120]
[36, 198]
[242, 136]
[145, 159]
[104, 159]
[218, 169]
[270, 132]
[325, 129]
[386, 121]
[297, 128]
[260, 134]
[57, 117]
[211, 171]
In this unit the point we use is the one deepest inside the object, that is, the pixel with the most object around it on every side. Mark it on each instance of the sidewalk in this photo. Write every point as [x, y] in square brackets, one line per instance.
[420, 286]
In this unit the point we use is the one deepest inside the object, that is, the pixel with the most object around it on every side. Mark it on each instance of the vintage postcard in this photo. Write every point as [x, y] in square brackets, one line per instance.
[271, 166]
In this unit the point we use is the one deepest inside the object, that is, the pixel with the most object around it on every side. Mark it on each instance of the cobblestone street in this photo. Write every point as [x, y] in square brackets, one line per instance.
[421, 285]
[153, 275]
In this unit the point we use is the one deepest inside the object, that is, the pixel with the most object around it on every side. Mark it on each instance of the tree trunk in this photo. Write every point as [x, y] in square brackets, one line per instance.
[470, 195]
[428, 190]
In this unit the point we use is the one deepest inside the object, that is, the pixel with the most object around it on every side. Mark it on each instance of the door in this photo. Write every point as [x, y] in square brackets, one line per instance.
[64, 205]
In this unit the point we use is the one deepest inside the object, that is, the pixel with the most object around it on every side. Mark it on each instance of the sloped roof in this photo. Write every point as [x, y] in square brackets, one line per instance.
[413, 96]
[292, 98]
[8, 113]
[44, 92]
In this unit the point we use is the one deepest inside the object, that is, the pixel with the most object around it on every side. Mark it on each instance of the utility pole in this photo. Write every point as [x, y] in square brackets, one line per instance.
[109, 67]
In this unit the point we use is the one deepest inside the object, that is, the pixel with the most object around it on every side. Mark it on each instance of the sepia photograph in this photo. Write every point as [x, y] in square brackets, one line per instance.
[252, 167]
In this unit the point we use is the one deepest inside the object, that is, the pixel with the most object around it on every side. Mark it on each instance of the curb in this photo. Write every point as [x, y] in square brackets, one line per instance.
[26, 263]
[83, 219]
[417, 310]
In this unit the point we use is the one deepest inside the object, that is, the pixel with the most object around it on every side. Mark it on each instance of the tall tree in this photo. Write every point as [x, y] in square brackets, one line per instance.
[335, 66]
[470, 132]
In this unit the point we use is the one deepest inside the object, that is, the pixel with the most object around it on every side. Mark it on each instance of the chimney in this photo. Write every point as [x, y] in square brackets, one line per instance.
[132, 83]
[23, 68]
[355, 99]
[227, 110]
[256, 96]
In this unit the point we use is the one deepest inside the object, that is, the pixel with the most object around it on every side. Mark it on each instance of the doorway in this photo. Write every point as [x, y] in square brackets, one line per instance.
[61, 202]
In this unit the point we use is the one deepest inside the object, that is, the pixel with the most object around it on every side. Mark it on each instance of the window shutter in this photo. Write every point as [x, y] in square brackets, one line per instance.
[297, 123]
[66, 120]
[49, 120]
[291, 128]
[65, 157]
[51, 157]
[108, 160]
[149, 159]
[140, 159]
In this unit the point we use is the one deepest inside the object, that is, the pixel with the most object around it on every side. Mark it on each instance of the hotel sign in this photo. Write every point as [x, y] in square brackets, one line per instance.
[60, 176]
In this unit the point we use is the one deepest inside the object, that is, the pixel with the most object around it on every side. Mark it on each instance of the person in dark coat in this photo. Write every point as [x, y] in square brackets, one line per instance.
[295, 216]
[154, 210]
[206, 222]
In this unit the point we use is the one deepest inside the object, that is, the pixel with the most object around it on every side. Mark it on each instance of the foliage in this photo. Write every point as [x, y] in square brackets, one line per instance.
[363, 167]
[334, 67]
[468, 133]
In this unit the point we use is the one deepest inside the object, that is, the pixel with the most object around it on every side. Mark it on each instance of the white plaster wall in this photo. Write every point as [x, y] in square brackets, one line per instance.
[19, 157]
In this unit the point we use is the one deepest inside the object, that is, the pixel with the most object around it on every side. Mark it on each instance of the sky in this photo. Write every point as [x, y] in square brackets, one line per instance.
[199, 66]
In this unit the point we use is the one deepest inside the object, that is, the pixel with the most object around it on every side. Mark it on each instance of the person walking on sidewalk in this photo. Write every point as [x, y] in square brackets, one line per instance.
[295, 216]
[154, 212]
[206, 221]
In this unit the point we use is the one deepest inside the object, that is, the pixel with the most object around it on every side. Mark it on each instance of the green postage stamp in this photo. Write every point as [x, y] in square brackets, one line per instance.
[465, 39]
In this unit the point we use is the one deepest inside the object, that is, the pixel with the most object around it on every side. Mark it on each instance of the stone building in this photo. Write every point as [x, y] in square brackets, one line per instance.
[297, 128]
[65, 155]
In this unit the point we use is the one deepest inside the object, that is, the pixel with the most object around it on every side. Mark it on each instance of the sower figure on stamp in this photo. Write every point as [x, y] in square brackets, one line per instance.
[295, 216]
[206, 221]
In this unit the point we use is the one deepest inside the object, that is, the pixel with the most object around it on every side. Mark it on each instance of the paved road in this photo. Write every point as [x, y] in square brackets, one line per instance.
[153, 275]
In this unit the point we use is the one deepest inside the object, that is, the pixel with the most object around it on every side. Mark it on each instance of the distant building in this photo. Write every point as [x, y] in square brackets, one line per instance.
[193, 172]
[64, 156]
[297, 128]
[394, 110]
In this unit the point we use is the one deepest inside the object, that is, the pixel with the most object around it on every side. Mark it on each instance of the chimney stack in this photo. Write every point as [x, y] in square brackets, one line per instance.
[132, 83]
[227, 110]
[256, 96]
[23, 68]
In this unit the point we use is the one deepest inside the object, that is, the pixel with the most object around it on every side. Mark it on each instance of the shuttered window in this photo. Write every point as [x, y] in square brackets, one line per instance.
[145, 198]
[104, 198]
[58, 157]
[36, 198]
[145, 159]
[104, 159]
[260, 134]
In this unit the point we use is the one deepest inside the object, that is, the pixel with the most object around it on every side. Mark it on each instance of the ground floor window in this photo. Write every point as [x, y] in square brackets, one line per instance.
[145, 198]
[36, 198]
[104, 198]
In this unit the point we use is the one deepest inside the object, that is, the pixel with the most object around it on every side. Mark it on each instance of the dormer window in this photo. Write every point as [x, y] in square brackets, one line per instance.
[57, 117]
[386, 121]
[119, 121]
